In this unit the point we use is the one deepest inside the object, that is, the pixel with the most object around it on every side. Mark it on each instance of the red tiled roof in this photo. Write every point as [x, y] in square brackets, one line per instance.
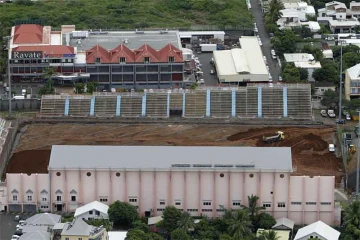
[170, 51]
[137, 55]
[51, 50]
[122, 51]
[146, 51]
[28, 33]
[98, 52]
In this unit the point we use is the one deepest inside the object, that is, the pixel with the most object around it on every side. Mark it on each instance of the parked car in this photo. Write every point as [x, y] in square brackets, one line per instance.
[280, 78]
[348, 117]
[212, 72]
[323, 113]
[15, 237]
[22, 222]
[202, 81]
[17, 218]
[340, 121]
[331, 148]
[273, 54]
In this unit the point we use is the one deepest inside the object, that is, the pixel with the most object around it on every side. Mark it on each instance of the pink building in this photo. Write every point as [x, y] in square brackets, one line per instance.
[200, 180]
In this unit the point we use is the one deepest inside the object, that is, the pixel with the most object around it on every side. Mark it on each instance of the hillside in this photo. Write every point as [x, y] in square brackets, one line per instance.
[129, 14]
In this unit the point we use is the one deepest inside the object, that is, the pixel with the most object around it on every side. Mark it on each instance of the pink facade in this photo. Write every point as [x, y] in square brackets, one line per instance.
[300, 198]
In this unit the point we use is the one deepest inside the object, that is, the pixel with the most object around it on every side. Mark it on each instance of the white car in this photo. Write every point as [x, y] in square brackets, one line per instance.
[280, 78]
[202, 81]
[348, 117]
[15, 237]
[331, 148]
[22, 222]
[260, 43]
[273, 54]
[256, 30]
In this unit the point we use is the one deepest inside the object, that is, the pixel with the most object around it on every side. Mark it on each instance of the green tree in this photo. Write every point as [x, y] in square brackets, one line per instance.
[350, 59]
[291, 73]
[274, 13]
[328, 72]
[330, 99]
[205, 230]
[91, 87]
[352, 214]
[252, 206]
[100, 222]
[179, 234]
[316, 52]
[186, 222]
[122, 214]
[240, 225]
[304, 74]
[140, 226]
[136, 234]
[345, 49]
[284, 42]
[171, 217]
[79, 88]
[269, 235]
[225, 237]
[264, 221]
[48, 73]
[48, 88]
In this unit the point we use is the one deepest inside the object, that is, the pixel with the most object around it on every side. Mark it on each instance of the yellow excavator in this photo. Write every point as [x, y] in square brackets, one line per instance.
[278, 137]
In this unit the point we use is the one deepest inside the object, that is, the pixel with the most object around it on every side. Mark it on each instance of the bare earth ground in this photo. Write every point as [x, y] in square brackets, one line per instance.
[309, 144]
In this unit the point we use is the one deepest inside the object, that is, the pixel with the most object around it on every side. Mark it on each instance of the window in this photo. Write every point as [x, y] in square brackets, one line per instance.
[14, 197]
[206, 210]
[80, 239]
[220, 210]
[160, 209]
[236, 203]
[103, 200]
[325, 203]
[67, 238]
[132, 199]
[58, 198]
[192, 210]
[29, 198]
[266, 205]
[162, 203]
[177, 203]
[310, 203]
[97, 60]
[281, 204]
[90, 212]
[146, 60]
[73, 198]
[171, 59]
[97, 213]
[122, 60]
[295, 203]
[207, 203]
[44, 199]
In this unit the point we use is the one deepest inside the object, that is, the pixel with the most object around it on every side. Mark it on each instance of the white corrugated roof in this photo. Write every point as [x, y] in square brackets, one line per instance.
[154, 220]
[117, 235]
[224, 62]
[95, 205]
[164, 157]
[44, 219]
[36, 235]
[298, 57]
[342, 23]
[240, 62]
[284, 222]
[354, 72]
[319, 228]
[254, 56]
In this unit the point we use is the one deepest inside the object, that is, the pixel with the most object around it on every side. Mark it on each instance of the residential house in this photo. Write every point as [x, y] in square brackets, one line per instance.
[291, 18]
[79, 229]
[43, 219]
[321, 87]
[280, 234]
[283, 224]
[35, 235]
[334, 10]
[354, 9]
[343, 26]
[317, 230]
[93, 210]
[301, 6]
[303, 60]
[352, 82]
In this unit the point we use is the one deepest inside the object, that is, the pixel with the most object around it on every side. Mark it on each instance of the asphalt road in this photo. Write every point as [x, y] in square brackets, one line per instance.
[204, 58]
[7, 225]
[265, 39]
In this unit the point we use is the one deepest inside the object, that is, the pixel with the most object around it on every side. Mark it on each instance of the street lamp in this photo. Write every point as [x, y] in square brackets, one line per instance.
[8, 38]
[357, 163]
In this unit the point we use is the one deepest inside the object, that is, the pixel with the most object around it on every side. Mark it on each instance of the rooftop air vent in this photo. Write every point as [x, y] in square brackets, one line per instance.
[224, 165]
[245, 165]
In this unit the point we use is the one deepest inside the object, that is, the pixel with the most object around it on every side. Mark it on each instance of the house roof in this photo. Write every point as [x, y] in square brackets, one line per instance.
[37, 235]
[97, 52]
[28, 33]
[31, 228]
[170, 51]
[95, 205]
[146, 51]
[335, 3]
[77, 228]
[117, 235]
[170, 157]
[48, 219]
[284, 222]
[59, 226]
[298, 57]
[122, 51]
[46, 49]
[319, 228]
[354, 72]
[154, 220]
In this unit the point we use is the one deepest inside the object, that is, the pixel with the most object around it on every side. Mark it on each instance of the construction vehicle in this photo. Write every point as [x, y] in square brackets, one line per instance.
[278, 137]
[351, 149]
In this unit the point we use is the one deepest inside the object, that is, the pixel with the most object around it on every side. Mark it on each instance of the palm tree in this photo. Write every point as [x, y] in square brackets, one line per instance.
[48, 73]
[252, 207]
[274, 13]
[269, 235]
[352, 214]
[186, 222]
[240, 225]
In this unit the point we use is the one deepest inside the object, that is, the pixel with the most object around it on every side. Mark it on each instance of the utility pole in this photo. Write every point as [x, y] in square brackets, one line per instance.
[341, 66]
[9, 74]
[357, 164]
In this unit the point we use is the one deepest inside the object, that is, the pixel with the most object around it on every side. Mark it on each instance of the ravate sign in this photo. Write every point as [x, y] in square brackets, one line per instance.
[25, 55]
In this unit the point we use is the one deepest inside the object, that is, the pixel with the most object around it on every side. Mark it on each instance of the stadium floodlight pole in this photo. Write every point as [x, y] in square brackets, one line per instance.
[341, 67]
[357, 164]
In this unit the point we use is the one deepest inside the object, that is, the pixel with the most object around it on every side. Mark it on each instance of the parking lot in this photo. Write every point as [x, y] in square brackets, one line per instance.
[8, 225]
[204, 58]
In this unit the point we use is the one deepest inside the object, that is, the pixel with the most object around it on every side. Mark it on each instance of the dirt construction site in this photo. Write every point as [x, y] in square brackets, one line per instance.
[309, 144]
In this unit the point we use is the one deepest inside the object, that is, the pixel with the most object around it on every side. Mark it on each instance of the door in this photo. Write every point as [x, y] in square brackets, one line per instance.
[59, 208]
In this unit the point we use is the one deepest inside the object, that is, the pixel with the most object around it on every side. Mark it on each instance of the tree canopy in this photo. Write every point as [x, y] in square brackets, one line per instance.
[122, 214]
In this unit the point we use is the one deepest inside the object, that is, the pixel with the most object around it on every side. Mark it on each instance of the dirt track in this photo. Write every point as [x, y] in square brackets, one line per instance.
[309, 144]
